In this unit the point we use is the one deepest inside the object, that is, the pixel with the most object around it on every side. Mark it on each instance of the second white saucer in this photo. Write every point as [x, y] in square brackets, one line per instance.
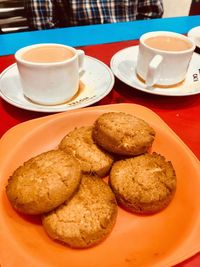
[123, 65]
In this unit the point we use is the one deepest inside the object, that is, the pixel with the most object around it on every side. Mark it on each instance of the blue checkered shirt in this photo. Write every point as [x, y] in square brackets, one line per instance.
[45, 14]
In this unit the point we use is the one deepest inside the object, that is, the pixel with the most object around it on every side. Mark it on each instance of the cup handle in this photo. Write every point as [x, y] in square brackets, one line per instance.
[152, 70]
[81, 55]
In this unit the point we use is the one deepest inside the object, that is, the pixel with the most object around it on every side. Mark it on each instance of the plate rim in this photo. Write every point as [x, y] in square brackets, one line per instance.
[61, 107]
[136, 47]
[117, 107]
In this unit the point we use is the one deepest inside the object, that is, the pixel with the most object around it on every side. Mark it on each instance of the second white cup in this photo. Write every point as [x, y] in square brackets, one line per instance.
[49, 72]
[163, 58]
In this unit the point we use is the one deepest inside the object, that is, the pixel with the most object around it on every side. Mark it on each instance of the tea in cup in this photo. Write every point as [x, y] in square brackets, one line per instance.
[49, 73]
[163, 58]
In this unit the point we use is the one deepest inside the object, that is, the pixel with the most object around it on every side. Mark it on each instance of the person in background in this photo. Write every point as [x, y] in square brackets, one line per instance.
[47, 14]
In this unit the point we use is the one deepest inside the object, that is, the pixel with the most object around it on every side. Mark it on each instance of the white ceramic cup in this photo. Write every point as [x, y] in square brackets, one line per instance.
[163, 67]
[50, 83]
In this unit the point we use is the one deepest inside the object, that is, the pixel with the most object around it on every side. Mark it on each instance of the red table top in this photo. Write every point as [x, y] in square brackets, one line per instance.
[180, 113]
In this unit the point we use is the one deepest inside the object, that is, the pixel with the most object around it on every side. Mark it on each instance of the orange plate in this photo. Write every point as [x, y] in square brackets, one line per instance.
[164, 239]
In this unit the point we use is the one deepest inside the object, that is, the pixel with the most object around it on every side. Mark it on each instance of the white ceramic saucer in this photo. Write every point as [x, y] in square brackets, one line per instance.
[194, 34]
[96, 82]
[123, 65]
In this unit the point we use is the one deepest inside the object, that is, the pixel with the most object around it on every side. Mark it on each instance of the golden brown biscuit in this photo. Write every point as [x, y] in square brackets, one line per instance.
[92, 158]
[123, 133]
[43, 182]
[143, 184]
[87, 218]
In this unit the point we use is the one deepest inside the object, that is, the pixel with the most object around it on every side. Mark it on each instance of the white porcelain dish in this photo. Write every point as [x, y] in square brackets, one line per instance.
[96, 82]
[123, 65]
[194, 34]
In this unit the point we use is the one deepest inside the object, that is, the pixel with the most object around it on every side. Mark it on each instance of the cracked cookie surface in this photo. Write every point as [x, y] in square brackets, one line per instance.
[143, 184]
[43, 182]
[87, 218]
[123, 133]
[92, 158]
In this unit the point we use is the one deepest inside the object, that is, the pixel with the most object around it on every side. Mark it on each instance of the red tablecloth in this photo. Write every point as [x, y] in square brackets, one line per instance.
[180, 113]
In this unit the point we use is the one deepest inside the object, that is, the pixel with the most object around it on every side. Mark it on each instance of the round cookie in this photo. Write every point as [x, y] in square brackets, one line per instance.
[92, 158]
[43, 182]
[143, 184]
[87, 218]
[123, 133]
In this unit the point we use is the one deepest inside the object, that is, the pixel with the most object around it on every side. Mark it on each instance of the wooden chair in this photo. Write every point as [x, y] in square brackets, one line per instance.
[12, 16]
